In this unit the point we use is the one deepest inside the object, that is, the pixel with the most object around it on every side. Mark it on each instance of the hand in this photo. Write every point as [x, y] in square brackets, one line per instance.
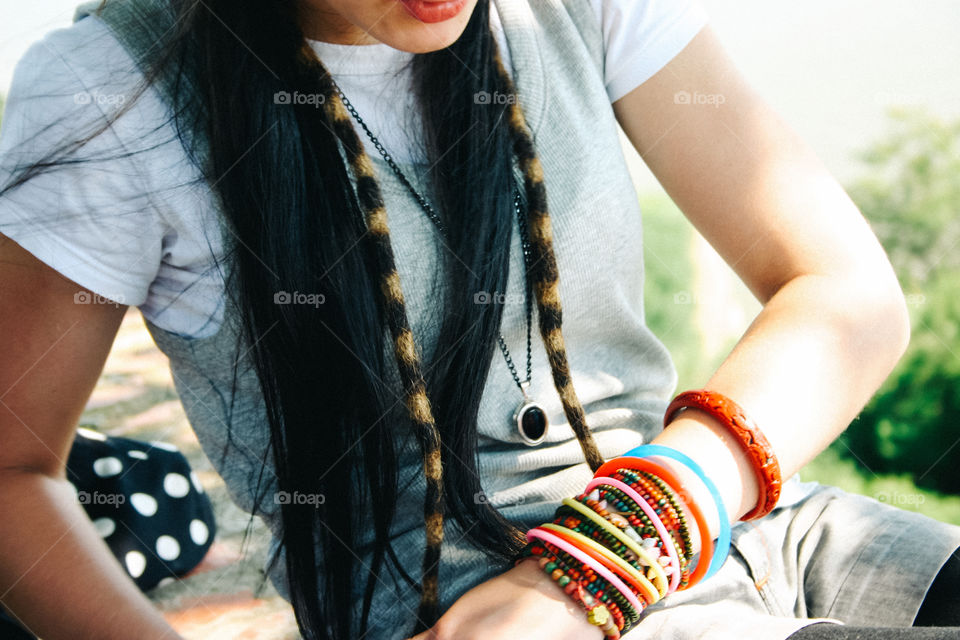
[522, 602]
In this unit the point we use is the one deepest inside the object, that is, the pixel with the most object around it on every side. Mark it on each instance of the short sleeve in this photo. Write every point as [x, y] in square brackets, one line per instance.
[90, 217]
[641, 36]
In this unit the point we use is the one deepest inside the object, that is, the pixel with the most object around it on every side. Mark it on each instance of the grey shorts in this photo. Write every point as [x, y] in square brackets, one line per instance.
[824, 555]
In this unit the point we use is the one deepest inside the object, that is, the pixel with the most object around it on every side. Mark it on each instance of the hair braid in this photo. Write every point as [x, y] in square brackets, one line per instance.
[544, 278]
[404, 348]
[544, 275]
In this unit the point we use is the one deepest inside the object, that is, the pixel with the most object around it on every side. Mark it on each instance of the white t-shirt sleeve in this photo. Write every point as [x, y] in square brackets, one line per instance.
[90, 219]
[641, 36]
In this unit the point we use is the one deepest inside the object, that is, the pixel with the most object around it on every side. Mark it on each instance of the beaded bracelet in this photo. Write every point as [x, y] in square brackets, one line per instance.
[758, 449]
[628, 576]
[623, 614]
[560, 566]
[664, 502]
[674, 522]
[597, 613]
[663, 496]
[624, 543]
[602, 619]
[596, 575]
[629, 515]
[647, 565]
[642, 485]
[723, 541]
[644, 464]
[652, 515]
[589, 582]
[633, 545]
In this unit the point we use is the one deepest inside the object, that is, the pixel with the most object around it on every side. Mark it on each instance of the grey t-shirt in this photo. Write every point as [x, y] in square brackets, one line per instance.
[622, 373]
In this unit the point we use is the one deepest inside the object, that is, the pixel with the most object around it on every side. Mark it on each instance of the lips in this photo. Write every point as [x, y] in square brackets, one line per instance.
[432, 11]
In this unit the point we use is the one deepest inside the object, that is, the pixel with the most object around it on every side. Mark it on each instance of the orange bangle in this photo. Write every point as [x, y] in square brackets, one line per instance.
[645, 464]
[758, 449]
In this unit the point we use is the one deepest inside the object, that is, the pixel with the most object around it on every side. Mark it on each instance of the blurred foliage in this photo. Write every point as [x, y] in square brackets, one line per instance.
[667, 238]
[674, 300]
[911, 196]
[833, 468]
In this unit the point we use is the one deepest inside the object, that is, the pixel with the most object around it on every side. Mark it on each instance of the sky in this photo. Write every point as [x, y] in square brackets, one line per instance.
[830, 67]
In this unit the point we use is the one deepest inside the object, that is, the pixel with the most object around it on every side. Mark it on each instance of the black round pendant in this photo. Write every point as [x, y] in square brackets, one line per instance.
[531, 422]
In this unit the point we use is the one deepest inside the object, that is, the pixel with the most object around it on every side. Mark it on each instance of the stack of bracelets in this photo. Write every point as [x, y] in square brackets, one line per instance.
[627, 540]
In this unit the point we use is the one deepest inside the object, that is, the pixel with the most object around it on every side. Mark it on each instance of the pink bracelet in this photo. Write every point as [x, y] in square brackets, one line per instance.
[616, 582]
[654, 518]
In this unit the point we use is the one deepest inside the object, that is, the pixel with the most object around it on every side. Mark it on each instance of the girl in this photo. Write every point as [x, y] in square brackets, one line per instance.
[354, 227]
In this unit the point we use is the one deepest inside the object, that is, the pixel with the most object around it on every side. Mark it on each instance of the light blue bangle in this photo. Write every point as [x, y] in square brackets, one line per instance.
[723, 541]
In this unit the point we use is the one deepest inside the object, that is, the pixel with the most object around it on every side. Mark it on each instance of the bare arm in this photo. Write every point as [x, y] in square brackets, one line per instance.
[56, 574]
[833, 323]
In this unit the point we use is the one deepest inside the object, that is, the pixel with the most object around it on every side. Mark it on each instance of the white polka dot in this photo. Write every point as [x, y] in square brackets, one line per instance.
[105, 526]
[195, 479]
[143, 503]
[168, 548]
[136, 453]
[91, 434]
[106, 467]
[166, 446]
[199, 532]
[135, 562]
[176, 485]
[166, 581]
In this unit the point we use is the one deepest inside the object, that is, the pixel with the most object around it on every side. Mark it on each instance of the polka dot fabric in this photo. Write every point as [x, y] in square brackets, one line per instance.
[144, 501]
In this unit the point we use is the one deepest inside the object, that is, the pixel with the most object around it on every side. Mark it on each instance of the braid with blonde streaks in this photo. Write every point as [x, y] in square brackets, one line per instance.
[544, 277]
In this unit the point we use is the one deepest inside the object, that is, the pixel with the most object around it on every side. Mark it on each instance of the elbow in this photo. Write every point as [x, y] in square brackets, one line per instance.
[893, 312]
[884, 322]
[898, 316]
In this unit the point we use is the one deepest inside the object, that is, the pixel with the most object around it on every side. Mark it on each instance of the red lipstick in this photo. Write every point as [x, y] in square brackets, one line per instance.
[431, 11]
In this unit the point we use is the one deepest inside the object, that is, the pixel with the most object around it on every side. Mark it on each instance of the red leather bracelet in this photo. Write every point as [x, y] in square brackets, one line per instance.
[747, 433]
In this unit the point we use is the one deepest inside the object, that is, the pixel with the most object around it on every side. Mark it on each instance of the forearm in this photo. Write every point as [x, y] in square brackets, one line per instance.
[57, 575]
[808, 364]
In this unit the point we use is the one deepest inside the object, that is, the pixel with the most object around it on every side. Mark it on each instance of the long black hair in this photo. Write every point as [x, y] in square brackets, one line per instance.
[300, 200]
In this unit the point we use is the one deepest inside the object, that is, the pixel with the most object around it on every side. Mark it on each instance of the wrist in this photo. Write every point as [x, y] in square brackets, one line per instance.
[531, 575]
[709, 443]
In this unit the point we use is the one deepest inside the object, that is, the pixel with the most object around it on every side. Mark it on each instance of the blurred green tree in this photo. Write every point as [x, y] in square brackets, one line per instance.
[911, 196]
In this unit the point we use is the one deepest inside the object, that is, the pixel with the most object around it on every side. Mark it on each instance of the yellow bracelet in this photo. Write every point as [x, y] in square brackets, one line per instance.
[660, 576]
[649, 590]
